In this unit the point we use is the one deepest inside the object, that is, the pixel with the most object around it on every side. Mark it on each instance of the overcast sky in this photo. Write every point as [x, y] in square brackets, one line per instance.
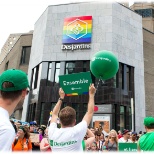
[19, 16]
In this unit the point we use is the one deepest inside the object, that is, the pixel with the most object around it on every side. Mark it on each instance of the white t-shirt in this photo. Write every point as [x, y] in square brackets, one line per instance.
[67, 139]
[7, 132]
[122, 140]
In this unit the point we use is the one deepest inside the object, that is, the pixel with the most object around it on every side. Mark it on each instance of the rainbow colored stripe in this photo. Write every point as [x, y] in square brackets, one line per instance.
[77, 30]
[75, 94]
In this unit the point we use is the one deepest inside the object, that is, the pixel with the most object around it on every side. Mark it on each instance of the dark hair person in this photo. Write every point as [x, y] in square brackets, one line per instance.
[13, 90]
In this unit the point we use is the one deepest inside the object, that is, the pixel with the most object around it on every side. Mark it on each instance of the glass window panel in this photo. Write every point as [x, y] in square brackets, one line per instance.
[121, 109]
[57, 75]
[50, 65]
[53, 105]
[76, 106]
[42, 112]
[122, 122]
[57, 65]
[49, 71]
[121, 76]
[70, 68]
[34, 72]
[57, 72]
[25, 54]
[145, 12]
[122, 117]
[130, 119]
[128, 78]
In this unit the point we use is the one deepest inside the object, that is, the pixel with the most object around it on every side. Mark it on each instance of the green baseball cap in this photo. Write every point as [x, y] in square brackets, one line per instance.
[17, 77]
[149, 121]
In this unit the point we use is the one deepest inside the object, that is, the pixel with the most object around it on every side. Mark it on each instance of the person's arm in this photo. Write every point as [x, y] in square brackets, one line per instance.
[42, 147]
[56, 109]
[89, 114]
[91, 138]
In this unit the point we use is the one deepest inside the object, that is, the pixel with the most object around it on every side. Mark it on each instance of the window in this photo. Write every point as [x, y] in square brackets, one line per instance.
[145, 12]
[31, 112]
[57, 72]
[42, 113]
[25, 54]
[86, 66]
[6, 65]
[121, 76]
[49, 71]
[128, 77]
[130, 119]
[34, 78]
[122, 117]
[115, 81]
[70, 68]
[53, 105]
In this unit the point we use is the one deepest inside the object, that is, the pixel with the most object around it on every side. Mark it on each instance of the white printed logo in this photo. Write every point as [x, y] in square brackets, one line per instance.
[77, 29]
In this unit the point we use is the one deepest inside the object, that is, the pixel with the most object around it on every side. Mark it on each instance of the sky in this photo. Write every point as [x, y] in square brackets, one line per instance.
[19, 16]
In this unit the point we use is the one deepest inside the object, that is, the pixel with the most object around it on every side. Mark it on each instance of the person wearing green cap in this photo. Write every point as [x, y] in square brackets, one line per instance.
[146, 141]
[13, 89]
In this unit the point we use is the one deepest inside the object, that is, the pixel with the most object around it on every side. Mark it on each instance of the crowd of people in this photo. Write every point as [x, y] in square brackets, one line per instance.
[70, 136]
[96, 139]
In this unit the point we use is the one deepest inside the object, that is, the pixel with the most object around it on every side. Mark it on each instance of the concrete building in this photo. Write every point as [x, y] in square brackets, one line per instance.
[15, 54]
[148, 44]
[146, 10]
[112, 27]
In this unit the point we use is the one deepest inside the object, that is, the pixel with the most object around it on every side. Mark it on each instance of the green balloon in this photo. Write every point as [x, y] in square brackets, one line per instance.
[104, 65]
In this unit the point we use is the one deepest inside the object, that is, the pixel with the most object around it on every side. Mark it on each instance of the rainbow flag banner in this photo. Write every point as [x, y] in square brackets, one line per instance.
[76, 83]
[77, 30]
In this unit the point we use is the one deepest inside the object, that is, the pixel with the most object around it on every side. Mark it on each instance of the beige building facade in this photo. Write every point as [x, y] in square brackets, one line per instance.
[147, 12]
[148, 45]
[15, 54]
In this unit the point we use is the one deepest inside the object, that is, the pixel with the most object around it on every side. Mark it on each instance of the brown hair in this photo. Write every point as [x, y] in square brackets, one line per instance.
[150, 127]
[26, 131]
[67, 116]
[13, 95]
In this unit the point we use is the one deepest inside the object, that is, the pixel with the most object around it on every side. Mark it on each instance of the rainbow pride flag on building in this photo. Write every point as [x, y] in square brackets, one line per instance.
[77, 30]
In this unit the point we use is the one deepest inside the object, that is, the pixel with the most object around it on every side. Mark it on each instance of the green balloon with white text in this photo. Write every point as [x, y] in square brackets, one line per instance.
[104, 64]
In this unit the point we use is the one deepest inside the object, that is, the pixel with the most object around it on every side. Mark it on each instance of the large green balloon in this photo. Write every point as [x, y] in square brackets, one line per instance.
[104, 65]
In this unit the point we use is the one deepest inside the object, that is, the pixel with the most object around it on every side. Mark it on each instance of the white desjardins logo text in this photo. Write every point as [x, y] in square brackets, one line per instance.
[53, 143]
[75, 46]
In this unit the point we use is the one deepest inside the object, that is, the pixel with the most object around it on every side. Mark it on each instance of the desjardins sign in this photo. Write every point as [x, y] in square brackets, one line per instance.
[77, 33]
[75, 46]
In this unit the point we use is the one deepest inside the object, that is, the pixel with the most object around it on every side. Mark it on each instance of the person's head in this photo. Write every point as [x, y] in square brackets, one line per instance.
[46, 132]
[97, 135]
[149, 123]
[113, 135]
[41, 131]
[23, 132]
[32, 126]
[96, 128]
[119, 132]
[134, 136]
[126, 134]
[102, 136]
[67, 117]
[13, 87]
[93, 146]
[93, 130]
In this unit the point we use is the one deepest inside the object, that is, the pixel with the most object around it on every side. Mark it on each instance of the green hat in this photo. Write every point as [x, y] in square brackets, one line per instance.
[17, 77]
[149, 121]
